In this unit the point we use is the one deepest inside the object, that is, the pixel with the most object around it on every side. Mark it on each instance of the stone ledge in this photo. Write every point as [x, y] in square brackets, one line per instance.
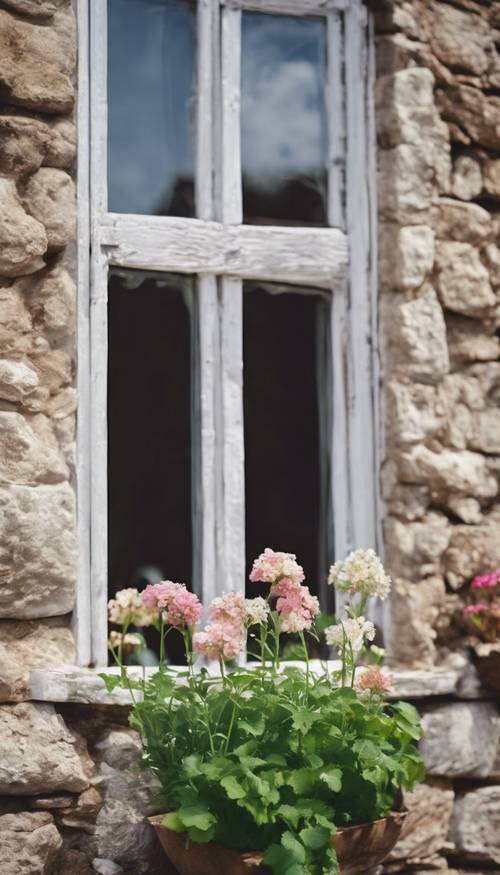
[84, 686]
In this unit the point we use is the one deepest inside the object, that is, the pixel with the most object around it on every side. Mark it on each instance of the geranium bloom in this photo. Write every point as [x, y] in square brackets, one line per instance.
[184, 608]
[129, 640]
[219, 640]
[257, 611]
[374, 680]
[361, 572]
[127, 607]
[156, 596]
[479, 608]
[273, 565]
[297, 607]
[230, 608]
[353, 631]
[486, 581]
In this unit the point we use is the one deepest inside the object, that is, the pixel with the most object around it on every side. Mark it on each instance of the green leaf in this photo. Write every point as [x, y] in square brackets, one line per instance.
[232, 787]
[172, 821]
[332, 778]
[281, 861]
[290, 813]
[315, 837]
[253, 723]
[111, 681]
[302, 780]
[295, 847]
[197, 816]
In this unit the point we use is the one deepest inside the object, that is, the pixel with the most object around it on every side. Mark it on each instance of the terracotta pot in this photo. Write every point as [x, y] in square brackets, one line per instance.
[359, 848]
[487, 661]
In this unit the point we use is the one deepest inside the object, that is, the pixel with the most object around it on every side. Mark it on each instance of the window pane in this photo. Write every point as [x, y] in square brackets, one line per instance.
[151, 73]
[149, 428]
[284, 406]
[283, 119]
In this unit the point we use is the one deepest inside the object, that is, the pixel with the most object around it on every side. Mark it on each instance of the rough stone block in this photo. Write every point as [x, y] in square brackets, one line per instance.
[463, 282]
[51, 300]
[415, 608]
[460, 739]
[26, 645]
[476, 113]
[17, 380]
[473, 549]
[491, 177]
[37, 551]
[426, 830]
[15, 322]
[49, 197]
[28, 451]
[413, 412]
[468, 341]
[467, 179]
[23, 240]
[463, 222]
[405, 184]
[36, 8]
[448, 42]
[29, 842]
[448, 471]
[38, 752]
[406, 255]
[35, 67]
[415, 332]
[27, 143]
[475, 824]
[415, 550]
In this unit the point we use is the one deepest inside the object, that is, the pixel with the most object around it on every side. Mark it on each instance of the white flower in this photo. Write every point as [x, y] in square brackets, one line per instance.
[127, 607]
[362, 572]
[377, 651]
[257, 611]
[353, 631]
[129, 640]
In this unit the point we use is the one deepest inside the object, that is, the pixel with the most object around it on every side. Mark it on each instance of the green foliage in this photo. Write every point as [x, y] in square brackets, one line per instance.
[274, 763]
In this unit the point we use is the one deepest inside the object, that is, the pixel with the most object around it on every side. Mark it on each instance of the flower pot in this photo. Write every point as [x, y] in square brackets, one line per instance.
[487, 661]
[359, 848]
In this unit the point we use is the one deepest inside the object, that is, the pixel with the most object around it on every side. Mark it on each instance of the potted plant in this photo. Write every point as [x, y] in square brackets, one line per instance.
[265, 768]
[484, 615]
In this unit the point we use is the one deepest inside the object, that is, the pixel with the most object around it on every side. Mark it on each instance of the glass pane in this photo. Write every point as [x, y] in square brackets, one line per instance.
[284, 398]
[149, 428]
[151, 73]
[283, 119]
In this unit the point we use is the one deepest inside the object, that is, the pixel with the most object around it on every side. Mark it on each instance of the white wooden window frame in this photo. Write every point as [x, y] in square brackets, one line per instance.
[222, 252]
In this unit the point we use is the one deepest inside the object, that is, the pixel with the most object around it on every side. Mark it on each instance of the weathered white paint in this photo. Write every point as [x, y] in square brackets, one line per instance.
[313, 256]
[232, 209]
[288, 7]
[204, 122]
[336, 122]
[231, 546]
[360, 404]
[71, 684]
[99, 339]
[82, 620]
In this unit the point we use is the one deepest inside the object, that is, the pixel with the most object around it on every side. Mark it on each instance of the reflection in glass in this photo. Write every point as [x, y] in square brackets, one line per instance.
[284, 399]
[151, 73]
[149, 428]
[283, 119]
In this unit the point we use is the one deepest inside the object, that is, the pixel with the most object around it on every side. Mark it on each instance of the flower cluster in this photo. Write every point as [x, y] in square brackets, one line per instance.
[180, 608]
[219, 640]
[295, 604]
[351, 634]
[374, 680]
[362, 572]
[128, 641]
[271, 566]
[485, 614]
[257, 611]
[127, 608]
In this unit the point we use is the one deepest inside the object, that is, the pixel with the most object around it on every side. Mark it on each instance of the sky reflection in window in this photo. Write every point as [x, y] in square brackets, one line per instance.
[283, 119]
[151, 77]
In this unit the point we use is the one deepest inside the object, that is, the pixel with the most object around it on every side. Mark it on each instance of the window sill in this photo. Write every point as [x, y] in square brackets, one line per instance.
[84, 686]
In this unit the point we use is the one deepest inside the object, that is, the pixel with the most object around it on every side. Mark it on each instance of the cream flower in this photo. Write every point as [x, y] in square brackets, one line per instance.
[353, 631]
[127, 607]
[257, 611]
[362, 572]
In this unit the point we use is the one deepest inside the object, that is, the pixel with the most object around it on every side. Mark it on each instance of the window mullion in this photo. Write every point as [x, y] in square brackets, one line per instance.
[336, 126]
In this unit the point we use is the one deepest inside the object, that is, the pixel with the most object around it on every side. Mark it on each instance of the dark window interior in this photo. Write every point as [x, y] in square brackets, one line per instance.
[284, 470]
[151, 87]
[149, 424]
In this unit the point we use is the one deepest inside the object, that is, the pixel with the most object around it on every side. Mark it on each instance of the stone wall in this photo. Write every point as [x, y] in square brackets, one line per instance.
[38, 550]
[438, 129]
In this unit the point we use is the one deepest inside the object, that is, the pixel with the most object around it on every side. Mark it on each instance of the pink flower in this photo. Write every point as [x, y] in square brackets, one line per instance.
[219, 640]
[156, 596]
[271, 566]
[486, 581]
[184, 609]
[297, 607]
[374, 680]
[478, 608]
[230, 609]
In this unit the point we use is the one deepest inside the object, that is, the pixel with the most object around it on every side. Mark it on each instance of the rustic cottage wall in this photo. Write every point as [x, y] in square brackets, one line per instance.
[69, 802]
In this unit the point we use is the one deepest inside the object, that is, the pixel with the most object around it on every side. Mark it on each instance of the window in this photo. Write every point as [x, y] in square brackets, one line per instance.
[231, 394]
